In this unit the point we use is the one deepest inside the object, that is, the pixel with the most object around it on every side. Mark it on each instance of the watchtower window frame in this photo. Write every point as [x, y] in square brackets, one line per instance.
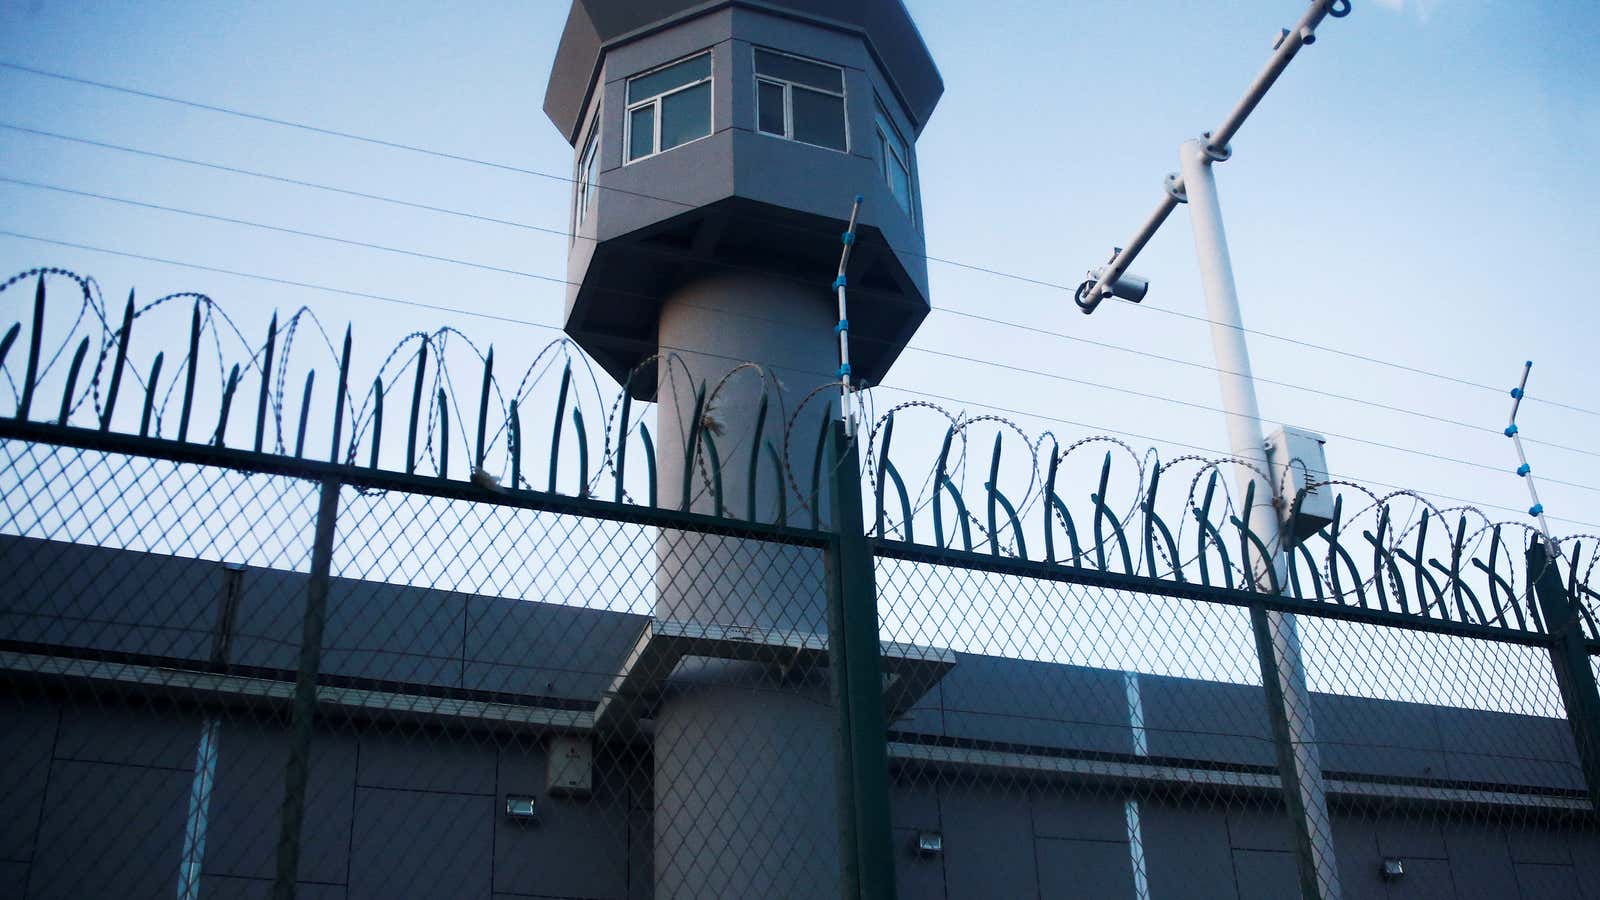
[669, 94]
[895, 156]
[785, 77]
[588, 176]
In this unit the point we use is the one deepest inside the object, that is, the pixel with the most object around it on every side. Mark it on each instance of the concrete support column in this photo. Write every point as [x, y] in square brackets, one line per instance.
[745, 784]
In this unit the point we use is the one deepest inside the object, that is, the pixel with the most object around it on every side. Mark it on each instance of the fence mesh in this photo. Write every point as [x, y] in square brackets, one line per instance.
[538, 702]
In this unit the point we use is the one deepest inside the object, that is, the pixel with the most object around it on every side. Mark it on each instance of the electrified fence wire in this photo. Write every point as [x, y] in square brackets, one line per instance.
[731, 266]
[413, 148]
[911, 391]
[558, 280]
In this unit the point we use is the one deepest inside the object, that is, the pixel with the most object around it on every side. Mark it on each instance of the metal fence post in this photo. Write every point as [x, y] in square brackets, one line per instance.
[866, 843]
[1283, 679]
[1570, 658]
[305, 695]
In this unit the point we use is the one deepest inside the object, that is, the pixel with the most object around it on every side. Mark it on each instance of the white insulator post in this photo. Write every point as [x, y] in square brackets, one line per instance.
[1298, 756]
[1523, 469]
[846, 411]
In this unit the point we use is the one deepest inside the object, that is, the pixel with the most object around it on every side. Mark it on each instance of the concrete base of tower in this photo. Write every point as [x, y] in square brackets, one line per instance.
[745, 788]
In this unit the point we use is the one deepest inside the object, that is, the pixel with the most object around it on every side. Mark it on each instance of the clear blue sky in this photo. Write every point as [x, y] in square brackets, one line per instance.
[1415, 189]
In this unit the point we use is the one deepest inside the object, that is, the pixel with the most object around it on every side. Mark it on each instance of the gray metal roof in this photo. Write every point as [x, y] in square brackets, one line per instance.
[595, 25]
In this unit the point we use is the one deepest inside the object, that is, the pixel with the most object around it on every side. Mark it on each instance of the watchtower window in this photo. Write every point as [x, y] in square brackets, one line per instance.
[669, 106]
[800, 100]
[894, 161]
[588, 173]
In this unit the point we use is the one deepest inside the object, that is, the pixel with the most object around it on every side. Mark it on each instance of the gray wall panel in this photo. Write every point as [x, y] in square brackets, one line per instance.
[1265, 875]
[1508, 749]
[394, 633]
[1083, 869]
[1546, 882]
[988, 842]
[133, 853]
[1377, 737]
[1586, 862]
[137, 736]
[108, 599]
[1258, 828]
[926, 716]
[545, 649]
[1480, 861]
[247, 804]
[1206, 720]
[1041, 704]
[27, 733]
[914, 802]
[416, 844]
[1091, 818]
[13, 879]
[418, 760]
[1411, 837]
[1537, 844]
[270, 617]
[1186, 852]
[226, 887]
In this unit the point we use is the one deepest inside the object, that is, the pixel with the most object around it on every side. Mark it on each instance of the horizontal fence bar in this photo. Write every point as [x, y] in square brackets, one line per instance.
[363, 477]
[1142, 584]
[590, 507]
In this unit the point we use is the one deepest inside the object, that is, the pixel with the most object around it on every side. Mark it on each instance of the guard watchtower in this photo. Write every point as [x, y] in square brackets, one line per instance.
[717, 149]
[723, 142]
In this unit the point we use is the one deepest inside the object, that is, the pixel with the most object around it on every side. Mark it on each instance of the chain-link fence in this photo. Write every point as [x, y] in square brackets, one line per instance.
[245, 673]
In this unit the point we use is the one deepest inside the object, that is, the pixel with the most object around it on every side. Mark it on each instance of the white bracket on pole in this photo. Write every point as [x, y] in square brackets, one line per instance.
[843, 327]
[1525, 470]
[1108, 280]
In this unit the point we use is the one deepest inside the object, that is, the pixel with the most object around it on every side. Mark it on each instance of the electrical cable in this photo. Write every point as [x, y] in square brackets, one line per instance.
[556, 280]
[827, 376]
[568, 234]
[456, 157]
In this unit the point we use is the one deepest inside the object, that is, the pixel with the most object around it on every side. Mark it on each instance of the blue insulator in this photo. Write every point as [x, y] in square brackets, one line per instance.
[1524, 469]
[1511, 430]
[838, 282]
[849, 237]
[844, 370]
[1516, 393]
[844, 325]
[1536, 510]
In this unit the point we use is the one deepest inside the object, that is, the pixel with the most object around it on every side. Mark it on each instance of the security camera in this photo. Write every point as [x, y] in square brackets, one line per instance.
[1129, 287]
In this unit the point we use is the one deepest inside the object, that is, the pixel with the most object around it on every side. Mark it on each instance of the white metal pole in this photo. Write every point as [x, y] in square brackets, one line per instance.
[1244, 435]
[843, 328]
[1289, 42]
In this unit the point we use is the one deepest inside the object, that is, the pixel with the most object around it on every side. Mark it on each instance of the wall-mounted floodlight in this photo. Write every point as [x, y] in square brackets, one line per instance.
[929, 843]
[1393, 869]
[521, 809]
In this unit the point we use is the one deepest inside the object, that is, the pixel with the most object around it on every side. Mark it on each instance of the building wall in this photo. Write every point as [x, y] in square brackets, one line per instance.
[96, 782]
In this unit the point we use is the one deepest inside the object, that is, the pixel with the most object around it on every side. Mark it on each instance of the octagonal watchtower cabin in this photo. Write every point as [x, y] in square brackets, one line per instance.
[723, 139]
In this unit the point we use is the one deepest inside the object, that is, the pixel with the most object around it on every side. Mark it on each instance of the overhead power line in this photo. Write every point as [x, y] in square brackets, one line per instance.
[571, 235]
[271, 279]
[563, 281]
[506, 167]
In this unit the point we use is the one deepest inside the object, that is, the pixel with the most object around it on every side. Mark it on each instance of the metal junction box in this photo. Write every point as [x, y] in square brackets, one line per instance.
[1299, 467]
[570, 767]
